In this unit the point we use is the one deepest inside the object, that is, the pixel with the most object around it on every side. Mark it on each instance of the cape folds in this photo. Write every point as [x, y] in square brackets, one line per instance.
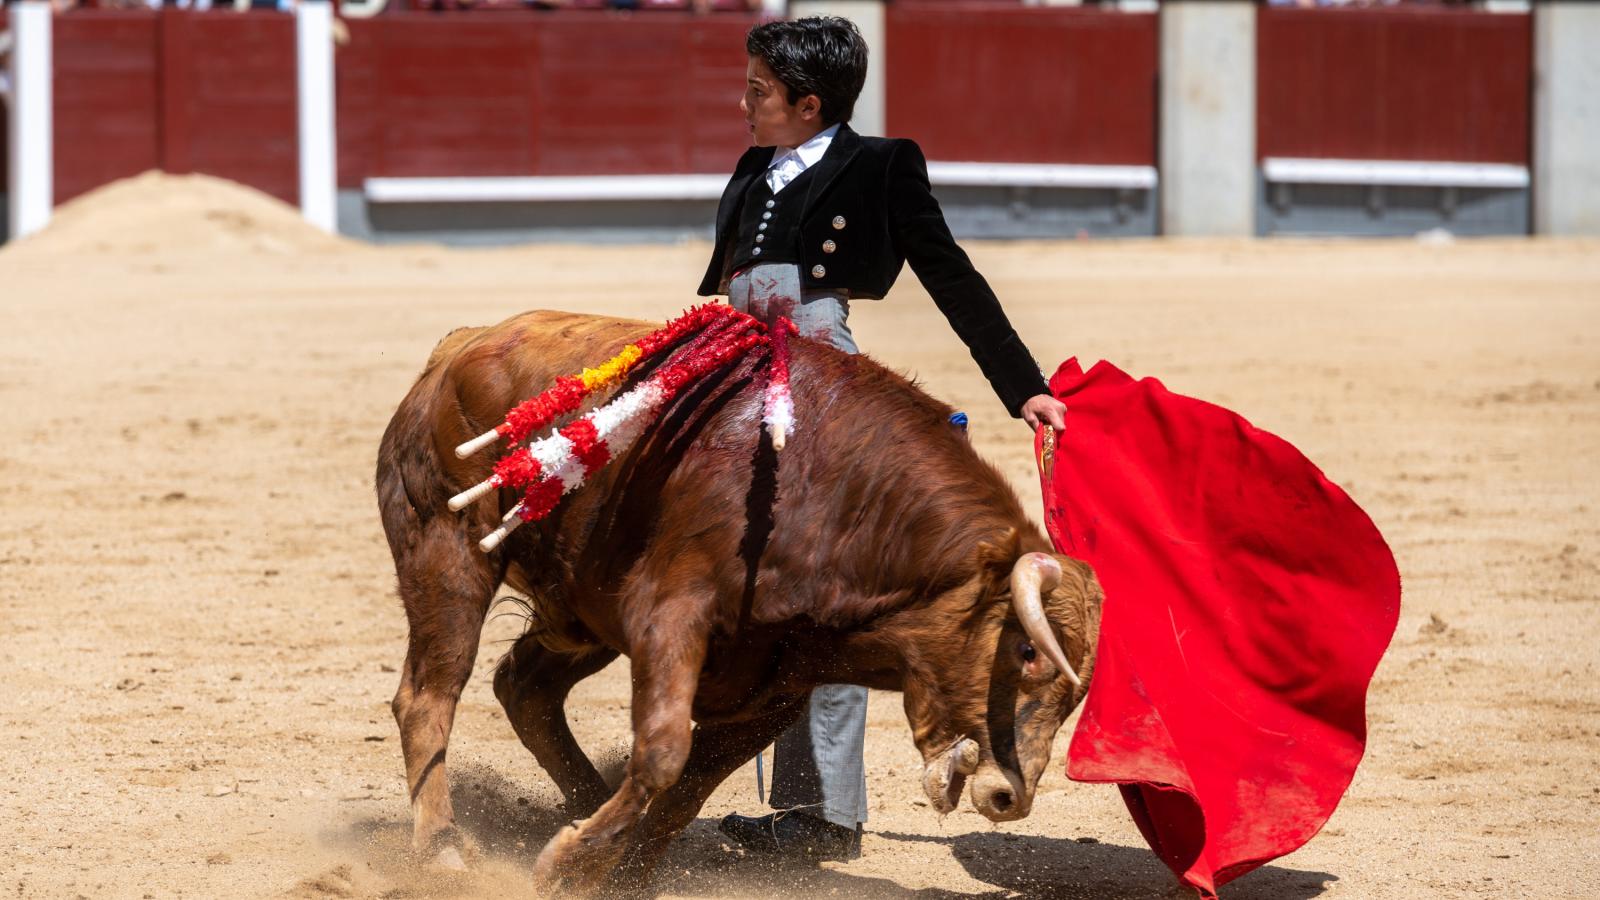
[1248, 602]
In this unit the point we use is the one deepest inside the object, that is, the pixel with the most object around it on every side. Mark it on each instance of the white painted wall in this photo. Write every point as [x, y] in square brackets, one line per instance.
[30, 167]
[1208, 116]
[1566, 117]
[318, 156]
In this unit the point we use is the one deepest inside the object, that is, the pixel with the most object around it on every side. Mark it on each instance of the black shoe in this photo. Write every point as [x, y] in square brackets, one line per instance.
[794, 834]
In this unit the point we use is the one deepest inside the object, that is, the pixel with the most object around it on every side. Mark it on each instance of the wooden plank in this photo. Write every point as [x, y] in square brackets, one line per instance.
[526, 94]
[176, 74]
[230, 98]
[977, 82]
[458, 96]
[106, 99]
[358, 101]
[1429, 83]
[713, 128]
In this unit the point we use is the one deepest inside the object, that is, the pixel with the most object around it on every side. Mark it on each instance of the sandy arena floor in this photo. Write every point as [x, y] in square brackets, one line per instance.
[200, 633]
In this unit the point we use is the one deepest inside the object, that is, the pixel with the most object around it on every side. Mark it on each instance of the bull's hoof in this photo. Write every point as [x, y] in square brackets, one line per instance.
[547, 869]
[576, 863]
[445, 853]
[448, 862]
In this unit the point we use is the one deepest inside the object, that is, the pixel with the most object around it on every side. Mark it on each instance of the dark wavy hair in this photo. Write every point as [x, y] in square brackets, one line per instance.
[822, 55]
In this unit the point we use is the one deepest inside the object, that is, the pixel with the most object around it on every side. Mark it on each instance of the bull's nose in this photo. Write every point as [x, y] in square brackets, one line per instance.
[1001, 801]
[998, 799]
[1000, 806]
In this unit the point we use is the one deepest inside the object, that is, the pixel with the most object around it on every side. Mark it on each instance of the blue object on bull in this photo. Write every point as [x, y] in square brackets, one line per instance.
[959, 420]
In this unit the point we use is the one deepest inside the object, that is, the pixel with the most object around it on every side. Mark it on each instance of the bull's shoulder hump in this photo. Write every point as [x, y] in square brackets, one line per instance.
[451, 343]
[540, 321]
[491, 368]
[553, 335]
[576, 330]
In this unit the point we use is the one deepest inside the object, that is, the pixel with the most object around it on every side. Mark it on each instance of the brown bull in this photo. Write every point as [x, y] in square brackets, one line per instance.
[876, 549]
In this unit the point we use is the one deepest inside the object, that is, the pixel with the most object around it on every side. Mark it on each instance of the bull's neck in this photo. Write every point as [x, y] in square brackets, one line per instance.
[902, 644]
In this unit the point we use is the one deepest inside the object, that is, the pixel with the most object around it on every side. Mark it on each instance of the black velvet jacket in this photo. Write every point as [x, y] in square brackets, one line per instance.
[868, 211]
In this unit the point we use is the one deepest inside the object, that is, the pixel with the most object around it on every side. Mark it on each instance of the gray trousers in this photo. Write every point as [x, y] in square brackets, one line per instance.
[769, 291]
[817, 763]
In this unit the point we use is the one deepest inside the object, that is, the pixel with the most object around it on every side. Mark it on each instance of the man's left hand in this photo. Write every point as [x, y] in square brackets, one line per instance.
[1045, 408]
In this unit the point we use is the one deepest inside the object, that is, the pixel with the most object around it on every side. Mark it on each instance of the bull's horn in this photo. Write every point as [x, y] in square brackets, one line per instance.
[1034, 574]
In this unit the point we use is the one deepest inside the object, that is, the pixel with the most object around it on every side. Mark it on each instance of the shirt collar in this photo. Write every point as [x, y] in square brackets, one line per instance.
[812, 150]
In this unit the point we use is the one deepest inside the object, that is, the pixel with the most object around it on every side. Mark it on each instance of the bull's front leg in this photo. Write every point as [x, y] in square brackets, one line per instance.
[718, 751]
[665, 671]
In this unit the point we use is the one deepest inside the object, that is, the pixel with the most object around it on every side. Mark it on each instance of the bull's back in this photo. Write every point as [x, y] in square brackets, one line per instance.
[690, 487]
[472, 378]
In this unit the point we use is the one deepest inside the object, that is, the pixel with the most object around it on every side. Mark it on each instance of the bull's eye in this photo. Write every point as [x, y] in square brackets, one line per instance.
[1025, 649]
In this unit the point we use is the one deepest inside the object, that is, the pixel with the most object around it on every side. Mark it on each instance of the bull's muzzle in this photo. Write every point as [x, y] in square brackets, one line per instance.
[1000, 795]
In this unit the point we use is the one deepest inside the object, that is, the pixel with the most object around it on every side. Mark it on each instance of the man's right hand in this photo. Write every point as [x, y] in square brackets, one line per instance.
[1044, 408]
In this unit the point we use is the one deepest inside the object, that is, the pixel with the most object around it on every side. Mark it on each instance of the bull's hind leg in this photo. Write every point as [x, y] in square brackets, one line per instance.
[532, 683]
[666, 670]
[447, 586]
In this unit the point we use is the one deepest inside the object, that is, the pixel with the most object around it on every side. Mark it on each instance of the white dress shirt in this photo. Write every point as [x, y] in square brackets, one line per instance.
[788, 163]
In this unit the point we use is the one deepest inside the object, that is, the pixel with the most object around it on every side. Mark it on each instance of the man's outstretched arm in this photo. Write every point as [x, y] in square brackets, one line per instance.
[918, 228]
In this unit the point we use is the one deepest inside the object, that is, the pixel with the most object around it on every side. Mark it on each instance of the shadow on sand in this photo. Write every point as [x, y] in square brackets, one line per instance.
[508, 827]
[1012, 864]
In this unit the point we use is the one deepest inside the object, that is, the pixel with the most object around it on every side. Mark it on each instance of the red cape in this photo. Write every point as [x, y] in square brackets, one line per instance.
[1248, 601]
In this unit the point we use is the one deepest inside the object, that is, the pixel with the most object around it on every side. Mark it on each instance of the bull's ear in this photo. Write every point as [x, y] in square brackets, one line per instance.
[998, 556]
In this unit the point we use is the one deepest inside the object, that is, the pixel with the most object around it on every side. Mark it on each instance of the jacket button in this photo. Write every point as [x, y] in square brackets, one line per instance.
[771, 203]
[829, 246]
[768, 215]
[756, 251]
[760, 238]
[818, 271]
[838, 222]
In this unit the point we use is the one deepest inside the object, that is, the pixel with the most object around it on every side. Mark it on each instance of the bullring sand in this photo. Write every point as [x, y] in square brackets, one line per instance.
[201, 634]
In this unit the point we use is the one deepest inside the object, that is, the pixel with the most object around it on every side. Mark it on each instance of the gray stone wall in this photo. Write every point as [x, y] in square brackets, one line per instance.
[1208, 117]
[1566, 117]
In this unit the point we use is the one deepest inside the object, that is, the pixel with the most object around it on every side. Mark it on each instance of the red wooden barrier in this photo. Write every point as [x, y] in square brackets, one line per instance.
[976, 81]
[107, 98]
[184, 92]
[1403, 83]
[564, 94]
[229, 98]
